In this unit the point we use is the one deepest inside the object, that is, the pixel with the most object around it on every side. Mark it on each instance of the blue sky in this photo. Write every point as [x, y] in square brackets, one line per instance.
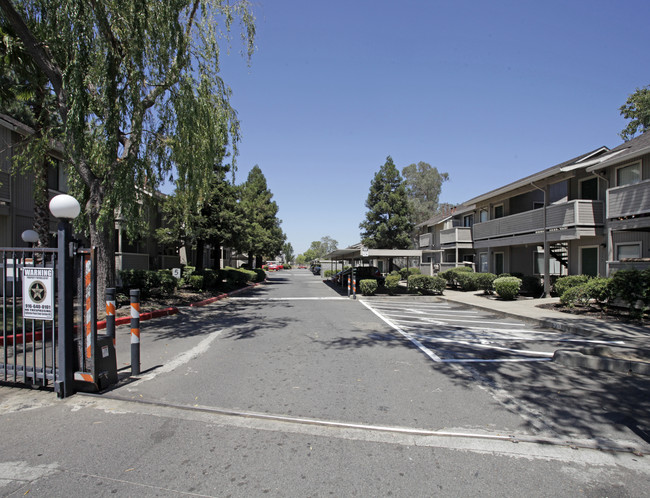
[487, 91]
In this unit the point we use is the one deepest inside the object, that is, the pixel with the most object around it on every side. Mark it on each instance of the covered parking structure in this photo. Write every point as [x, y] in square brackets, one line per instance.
[364, 256]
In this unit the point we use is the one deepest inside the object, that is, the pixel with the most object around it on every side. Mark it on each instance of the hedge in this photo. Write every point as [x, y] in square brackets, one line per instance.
[368, 286]
[564, 283]
[451, 275]
[507, 287]
[426, 284]
[392, 283]
[485, 282]
[405, 273]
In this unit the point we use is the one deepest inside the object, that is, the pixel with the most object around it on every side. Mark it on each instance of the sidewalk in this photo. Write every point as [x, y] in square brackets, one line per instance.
[631, 358]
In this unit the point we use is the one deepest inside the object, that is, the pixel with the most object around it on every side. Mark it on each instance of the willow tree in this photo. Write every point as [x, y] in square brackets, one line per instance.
[116, 68]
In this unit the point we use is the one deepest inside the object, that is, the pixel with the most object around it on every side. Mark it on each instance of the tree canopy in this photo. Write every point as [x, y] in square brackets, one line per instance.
[262, 238]
[388, 222]
[134, 81]
[637, 110]
[319, 248]
[423, 186]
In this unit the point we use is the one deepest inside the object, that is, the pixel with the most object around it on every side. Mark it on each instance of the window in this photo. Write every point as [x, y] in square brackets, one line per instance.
[56, 176]
[468, 220]
[538, 205]
[554, 266]
[469, 258]
[498, 212]
[483, 262]
[589, 189]
[632, 250]
[482, 216]
[628, 175]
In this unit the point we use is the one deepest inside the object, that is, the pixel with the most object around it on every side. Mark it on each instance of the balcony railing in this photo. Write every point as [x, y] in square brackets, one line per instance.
[426, 241]
[628, 200]
[584, 213]
[456, 235]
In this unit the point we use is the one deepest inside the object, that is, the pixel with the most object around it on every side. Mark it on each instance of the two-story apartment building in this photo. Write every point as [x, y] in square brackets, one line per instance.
[588, 215]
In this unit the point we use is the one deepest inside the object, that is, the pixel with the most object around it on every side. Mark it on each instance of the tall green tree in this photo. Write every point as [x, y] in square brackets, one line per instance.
[25, 96]
[423, 187]
[121, 72]
[319, 248]
[637, 110]
[388, 222]
[262, 237]
[287, 251]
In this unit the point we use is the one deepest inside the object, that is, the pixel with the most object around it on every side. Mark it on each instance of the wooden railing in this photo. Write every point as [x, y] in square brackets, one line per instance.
[628, 200]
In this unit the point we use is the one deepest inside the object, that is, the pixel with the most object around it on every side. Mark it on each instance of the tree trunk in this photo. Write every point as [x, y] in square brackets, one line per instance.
[198, 257]
[41, 211]
[258, 262]
[102, 239]
[250, 260]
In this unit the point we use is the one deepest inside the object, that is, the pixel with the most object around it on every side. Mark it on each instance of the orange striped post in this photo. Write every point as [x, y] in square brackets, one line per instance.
[349, 280]
[87, 307]
[135, 331]
[110, 313]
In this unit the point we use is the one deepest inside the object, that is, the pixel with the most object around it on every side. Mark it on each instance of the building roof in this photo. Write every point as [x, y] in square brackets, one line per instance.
[627, 151]
[566, 166]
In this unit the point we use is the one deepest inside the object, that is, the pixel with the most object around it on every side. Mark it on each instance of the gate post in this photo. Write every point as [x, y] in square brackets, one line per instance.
[64, 381]
[65, 208]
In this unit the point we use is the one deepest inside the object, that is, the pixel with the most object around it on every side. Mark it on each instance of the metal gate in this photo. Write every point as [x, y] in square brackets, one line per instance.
[49, 321]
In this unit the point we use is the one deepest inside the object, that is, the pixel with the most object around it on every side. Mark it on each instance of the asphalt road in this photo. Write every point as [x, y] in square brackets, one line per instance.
[292, 389]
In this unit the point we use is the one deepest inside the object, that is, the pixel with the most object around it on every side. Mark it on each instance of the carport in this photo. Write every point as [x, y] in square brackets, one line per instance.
[363, 256]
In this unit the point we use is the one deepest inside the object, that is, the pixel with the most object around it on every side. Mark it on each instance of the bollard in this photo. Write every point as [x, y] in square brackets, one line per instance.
[135, 331]
[349, 280]
[88, 306]
[354, 285]
[110, 313]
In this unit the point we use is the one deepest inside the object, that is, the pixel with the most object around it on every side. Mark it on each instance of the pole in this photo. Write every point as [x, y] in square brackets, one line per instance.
[63, 383]
[135, 331]
[354, 283]
[110, 313]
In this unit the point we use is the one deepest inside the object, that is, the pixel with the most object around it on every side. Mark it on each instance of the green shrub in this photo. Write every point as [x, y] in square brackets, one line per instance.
[426, 284]
[576, 295]
[451, 275]
[633, 288]
[196, 282]
[392, 283]
[236, 278]
[260, 275]
[368, 286]
[485, 281]
[467, 281]
[145, 280]
[600, 290]
[564, 283]
[168, 283]
[329, 273]
[507, 287]
[286, 266]
[186, 272]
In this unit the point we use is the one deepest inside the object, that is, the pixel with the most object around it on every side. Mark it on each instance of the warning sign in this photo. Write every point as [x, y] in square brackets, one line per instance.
[38, 293]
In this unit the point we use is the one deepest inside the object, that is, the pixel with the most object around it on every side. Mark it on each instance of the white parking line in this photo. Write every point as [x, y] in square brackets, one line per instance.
[421, 324]
[419, 345]
[237, 298]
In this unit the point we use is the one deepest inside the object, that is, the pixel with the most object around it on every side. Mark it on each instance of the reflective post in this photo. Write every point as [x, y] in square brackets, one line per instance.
[110, 313]
[135, 331]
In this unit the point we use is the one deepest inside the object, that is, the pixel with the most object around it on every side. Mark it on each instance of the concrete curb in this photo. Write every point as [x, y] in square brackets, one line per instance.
[576, 359]
[569, 358]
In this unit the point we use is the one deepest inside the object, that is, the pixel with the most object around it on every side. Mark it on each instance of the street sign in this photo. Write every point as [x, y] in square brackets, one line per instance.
[176, 272]
[38, 293]
[364, 252]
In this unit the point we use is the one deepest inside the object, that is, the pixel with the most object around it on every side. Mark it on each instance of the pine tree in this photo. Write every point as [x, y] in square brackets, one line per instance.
[388, 220]
[262, 236]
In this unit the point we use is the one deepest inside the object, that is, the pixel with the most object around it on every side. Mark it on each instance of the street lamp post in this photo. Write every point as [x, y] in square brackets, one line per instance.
[65, 208]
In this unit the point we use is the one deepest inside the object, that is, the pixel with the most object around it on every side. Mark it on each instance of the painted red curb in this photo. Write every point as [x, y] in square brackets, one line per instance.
[28, 338]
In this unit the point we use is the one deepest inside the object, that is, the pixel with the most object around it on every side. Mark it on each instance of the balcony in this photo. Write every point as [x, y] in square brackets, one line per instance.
[456, 236]
[426, 241]
[566, 216]
[628, 200]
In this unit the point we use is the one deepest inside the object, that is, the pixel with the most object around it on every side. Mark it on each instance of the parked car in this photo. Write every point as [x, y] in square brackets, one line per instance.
[361, 273]
[315, 269]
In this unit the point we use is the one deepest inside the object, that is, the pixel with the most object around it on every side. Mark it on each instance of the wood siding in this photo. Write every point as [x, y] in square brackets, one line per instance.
[628, 200]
